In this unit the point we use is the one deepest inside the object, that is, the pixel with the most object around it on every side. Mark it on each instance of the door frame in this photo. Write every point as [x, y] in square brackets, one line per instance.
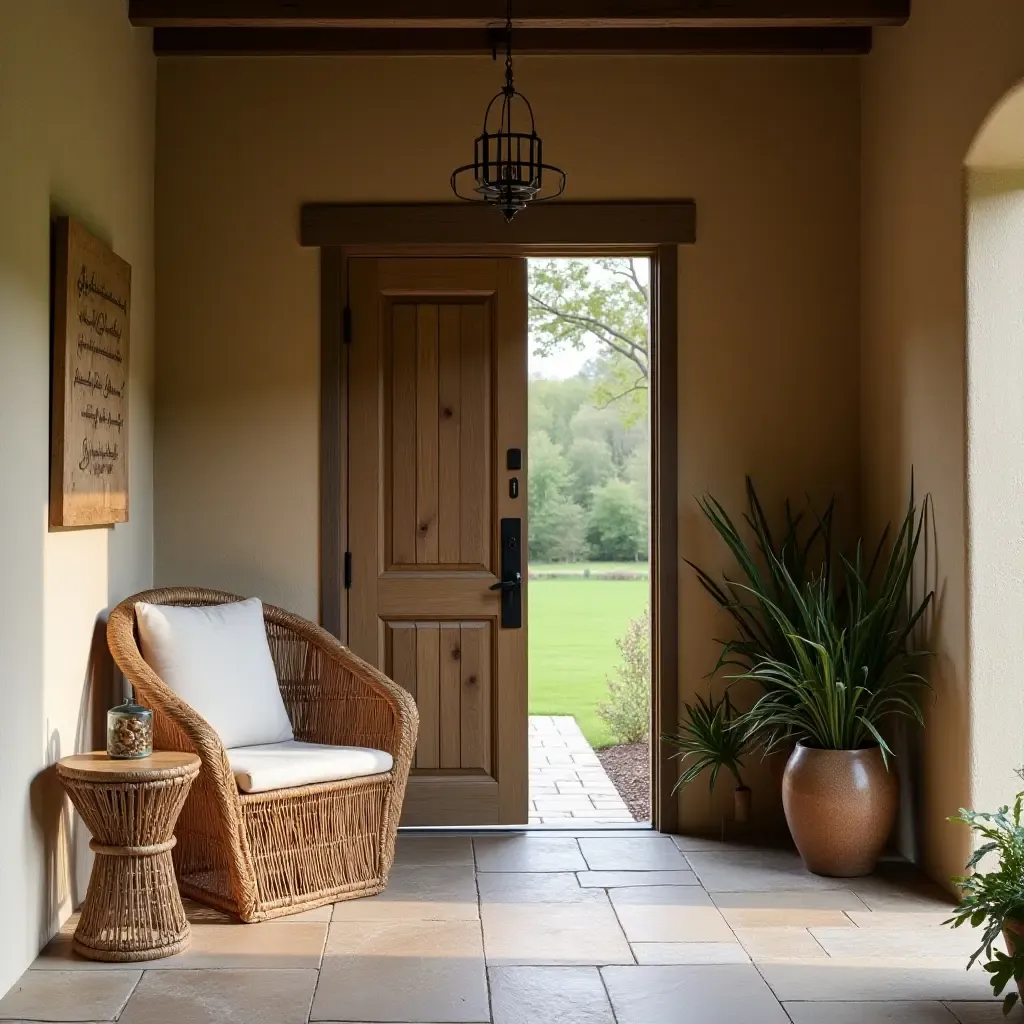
[650, 229]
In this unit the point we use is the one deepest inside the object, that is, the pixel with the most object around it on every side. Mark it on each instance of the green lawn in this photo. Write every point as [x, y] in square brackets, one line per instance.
[573, 626]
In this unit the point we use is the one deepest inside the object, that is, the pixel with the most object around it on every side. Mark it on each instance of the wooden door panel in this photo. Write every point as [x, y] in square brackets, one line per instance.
[428, 694]
[400, 655]
[447, 667]
[475, 440]
[400, 433]
[426, 435]
[449, 402]
[437, 393]
[475, 710]
[450, 711]
[437, 437]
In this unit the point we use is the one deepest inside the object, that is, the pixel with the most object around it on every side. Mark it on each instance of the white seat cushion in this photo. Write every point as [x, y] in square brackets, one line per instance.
[294, 763]
[218, 661]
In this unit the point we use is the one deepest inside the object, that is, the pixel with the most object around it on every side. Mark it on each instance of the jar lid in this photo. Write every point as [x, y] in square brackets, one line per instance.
[130, 706]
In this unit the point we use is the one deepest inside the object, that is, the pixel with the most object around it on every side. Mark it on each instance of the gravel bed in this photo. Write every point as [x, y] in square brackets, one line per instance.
[629, 768]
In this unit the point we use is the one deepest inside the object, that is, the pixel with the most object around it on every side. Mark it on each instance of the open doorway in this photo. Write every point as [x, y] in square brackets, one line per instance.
[370, 598]
[589, 541]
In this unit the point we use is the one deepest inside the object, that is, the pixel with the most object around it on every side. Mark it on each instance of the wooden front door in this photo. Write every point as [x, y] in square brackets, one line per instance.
[437, 398]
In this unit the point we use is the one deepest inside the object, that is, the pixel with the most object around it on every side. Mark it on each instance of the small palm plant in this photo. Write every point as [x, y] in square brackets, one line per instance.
[709, 741]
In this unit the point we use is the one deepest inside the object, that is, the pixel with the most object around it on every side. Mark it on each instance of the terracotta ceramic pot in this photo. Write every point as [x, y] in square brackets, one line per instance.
[840, 806]
[1013, 932]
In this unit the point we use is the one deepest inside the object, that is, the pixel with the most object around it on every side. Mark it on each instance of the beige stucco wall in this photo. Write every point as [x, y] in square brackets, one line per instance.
[769, 149]
[927, 89]
[77, 95]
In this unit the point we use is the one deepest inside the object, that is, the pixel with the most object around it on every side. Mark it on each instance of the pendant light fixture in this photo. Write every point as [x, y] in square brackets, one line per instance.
[508, 169]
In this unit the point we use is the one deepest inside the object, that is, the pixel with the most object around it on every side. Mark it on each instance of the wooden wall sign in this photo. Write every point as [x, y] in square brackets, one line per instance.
[89, 442]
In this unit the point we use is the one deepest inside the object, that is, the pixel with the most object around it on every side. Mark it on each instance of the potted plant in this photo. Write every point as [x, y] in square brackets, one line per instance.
[830, 649]
[709, 741]
[995, 899]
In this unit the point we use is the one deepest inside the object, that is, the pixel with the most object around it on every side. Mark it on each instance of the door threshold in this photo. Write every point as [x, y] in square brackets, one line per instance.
[550, 829]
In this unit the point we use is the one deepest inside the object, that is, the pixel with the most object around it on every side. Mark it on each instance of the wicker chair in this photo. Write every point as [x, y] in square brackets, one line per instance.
[265, 855]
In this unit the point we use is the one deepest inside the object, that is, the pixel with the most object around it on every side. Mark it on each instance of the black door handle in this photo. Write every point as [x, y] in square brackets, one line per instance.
[512, 584]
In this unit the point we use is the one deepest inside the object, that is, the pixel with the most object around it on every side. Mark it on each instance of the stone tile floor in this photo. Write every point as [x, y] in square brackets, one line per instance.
[587, 927]
[567, 781]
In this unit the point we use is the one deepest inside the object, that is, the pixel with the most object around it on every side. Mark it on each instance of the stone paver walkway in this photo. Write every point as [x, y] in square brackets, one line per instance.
[567, 781]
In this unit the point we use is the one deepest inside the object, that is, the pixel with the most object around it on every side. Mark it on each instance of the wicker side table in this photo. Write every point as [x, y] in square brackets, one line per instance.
[132, 910]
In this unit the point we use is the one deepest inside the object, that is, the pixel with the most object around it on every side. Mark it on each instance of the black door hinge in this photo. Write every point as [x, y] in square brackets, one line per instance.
[348, 570]
[346, 325]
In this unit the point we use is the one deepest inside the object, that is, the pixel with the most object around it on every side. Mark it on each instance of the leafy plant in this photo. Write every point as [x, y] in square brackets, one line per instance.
[830, 647]
[628, 709]
[709, 740]
[994, 898]
[770, 569]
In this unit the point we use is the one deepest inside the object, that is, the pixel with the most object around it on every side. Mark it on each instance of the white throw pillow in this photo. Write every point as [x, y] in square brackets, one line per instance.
[218, 661]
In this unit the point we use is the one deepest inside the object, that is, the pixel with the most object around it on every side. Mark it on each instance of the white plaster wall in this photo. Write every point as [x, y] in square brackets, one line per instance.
[77, 108]
[995, 477]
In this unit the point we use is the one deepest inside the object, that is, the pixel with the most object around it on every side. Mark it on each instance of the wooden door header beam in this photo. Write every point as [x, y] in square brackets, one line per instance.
[642, 225]
[270, 42]
[554, 14]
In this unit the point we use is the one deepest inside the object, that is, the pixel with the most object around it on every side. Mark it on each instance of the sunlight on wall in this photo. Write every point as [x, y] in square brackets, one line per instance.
[70, 655]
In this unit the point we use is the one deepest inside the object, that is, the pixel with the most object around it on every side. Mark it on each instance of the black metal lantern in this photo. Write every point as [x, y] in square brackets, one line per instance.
[508, 169]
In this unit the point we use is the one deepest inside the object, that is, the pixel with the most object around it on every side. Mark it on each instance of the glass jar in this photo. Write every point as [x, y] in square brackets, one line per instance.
[129, 731]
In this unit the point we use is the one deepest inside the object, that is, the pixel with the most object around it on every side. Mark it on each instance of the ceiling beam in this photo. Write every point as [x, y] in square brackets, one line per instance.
[641, 224]
[221, 42]
[563, 14]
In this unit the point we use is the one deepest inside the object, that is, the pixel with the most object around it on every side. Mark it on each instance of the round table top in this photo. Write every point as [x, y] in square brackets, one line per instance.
[99, 766]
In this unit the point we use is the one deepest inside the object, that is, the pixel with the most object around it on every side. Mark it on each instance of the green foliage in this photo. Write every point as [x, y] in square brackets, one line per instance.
[829, 647]
[769, 569]
[824, 697]
[549, 469]
[638, 472]
[566, 472]
[992, 898]
[557, 526]
[609, 427]
[627, 712]
[554, 403]
[591, 465]
[558, 531]
[573, 299]
[617, 529]
[709, 740]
